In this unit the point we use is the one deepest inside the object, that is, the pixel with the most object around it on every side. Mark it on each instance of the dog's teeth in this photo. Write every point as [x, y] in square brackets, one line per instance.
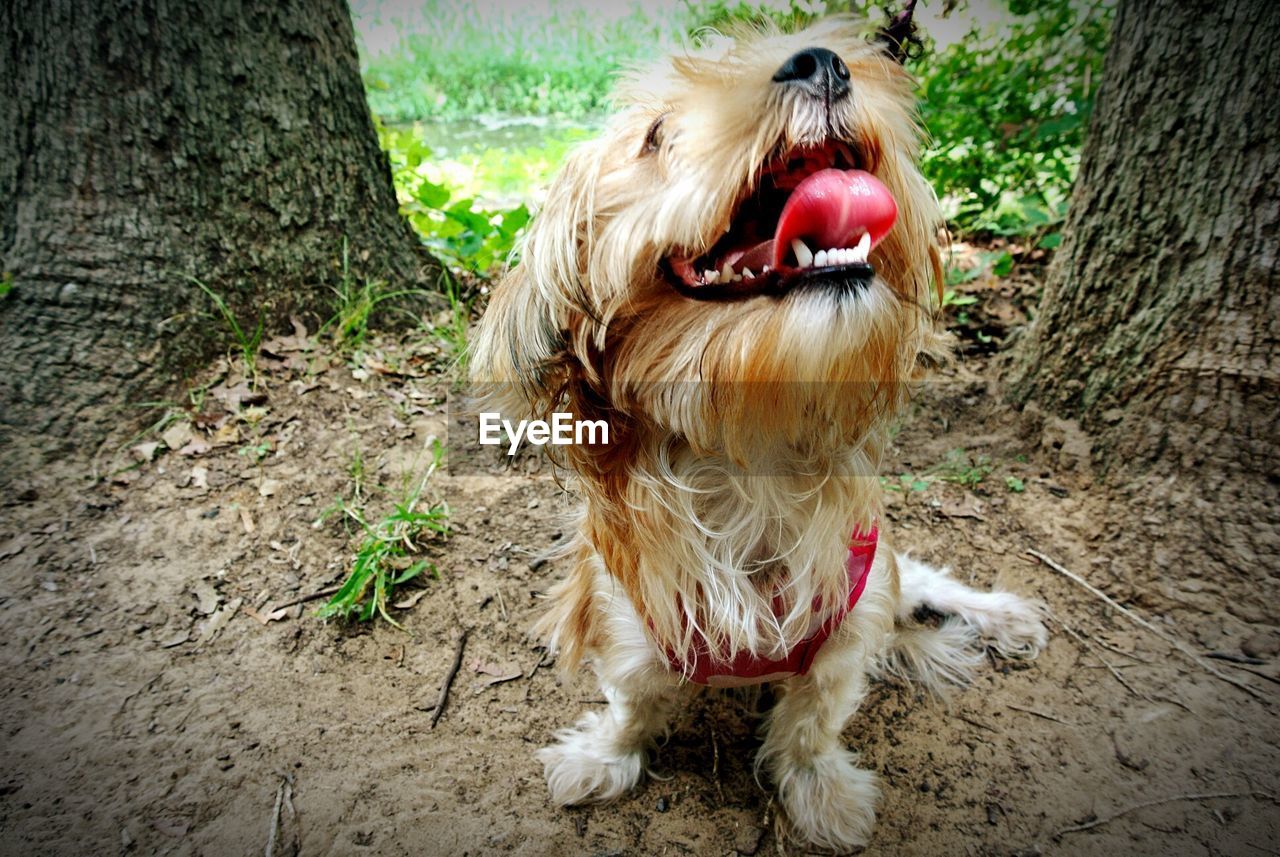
[737, 278]
[820, 259]
[803, 254]
[864, 247]
[747, 275]
[726, 272]
[764, 270]
[711, 276]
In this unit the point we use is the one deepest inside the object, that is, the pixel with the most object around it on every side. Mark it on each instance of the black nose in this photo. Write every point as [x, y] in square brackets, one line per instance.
[817, 71]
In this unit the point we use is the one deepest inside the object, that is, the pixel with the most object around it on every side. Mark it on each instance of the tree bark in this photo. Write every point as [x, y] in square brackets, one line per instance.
[1160, 320]
[145, 140]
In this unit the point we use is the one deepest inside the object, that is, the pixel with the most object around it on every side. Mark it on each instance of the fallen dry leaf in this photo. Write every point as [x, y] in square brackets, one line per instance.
[229, 433]
[413, 599]
[264, 618]
[215, 623]
[144, 452]
[177, 435]
[200, 477]
[198, 446]
[269, 487]
[246, 520]
[207, 599]
[177, 639]
[967, 507]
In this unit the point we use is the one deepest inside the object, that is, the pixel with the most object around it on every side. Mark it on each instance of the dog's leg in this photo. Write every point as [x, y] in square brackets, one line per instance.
[829, 801]
[1010, 622]
[603, 755]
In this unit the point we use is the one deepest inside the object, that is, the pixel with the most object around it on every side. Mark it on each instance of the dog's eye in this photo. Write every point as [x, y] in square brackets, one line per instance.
[653, 137]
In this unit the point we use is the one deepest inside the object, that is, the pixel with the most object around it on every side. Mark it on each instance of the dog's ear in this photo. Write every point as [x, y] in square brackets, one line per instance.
[517, 346]
[898, 36]
[522, 352]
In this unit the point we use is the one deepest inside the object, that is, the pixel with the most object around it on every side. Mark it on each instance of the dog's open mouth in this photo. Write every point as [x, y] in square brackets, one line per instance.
[813, 217]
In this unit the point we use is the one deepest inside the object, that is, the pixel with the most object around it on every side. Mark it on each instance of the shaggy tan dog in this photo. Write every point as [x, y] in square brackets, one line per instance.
[738, 275]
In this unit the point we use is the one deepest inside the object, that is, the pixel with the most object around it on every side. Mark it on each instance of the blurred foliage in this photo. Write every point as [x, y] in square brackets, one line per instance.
[558, 64]
[457, 230]
[1006, 108]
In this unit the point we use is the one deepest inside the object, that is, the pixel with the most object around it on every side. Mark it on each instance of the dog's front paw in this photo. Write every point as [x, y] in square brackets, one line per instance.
[584, 765]
[830, 802]
[1013, 625]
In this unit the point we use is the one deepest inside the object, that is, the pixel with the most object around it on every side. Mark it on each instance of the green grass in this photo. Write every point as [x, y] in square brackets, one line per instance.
[962, 469]
[355, 303]
[457, 60]
[247, 342]
[454, 333]
[384, 556]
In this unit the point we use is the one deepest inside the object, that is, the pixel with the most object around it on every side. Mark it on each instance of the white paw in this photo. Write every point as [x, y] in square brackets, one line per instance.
[1012, 624]
[831, 803]
[582, 767]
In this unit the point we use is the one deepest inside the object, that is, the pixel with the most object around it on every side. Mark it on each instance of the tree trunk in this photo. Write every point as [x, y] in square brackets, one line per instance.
[1161, 313]
[145, 140]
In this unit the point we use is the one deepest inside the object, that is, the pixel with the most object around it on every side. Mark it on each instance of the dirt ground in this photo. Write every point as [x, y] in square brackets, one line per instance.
[155, 701]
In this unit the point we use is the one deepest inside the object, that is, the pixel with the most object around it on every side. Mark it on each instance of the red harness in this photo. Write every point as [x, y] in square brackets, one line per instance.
[744, 668]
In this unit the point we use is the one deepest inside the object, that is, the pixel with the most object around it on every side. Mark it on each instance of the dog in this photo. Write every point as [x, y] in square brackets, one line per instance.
[739, 275]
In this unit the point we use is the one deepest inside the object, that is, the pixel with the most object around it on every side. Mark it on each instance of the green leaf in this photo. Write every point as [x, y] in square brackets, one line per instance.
[1003, 265]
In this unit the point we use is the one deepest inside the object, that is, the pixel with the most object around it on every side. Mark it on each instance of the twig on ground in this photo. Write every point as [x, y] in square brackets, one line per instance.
[1107, 819]
[303, 599]
[542, 659]
[715, 764]
[972, 722]
[502, 605]
[1121, 652]
[1040, 714]
[1181, 647]
[1106, 663]
[448, 678]
[284, 797]
[1232, 657]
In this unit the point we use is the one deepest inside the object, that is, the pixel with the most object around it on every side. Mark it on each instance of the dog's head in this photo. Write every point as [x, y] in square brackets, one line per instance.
[745, 255]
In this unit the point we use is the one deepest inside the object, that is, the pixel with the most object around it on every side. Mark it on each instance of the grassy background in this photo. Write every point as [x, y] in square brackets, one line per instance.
[482, 98]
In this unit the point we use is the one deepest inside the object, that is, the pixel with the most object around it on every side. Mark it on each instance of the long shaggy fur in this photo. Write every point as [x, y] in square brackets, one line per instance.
[745, 436]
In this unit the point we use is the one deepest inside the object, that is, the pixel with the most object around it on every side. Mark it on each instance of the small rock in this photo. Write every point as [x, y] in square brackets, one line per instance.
[1264, 644]
[662, 804]
[747, 842]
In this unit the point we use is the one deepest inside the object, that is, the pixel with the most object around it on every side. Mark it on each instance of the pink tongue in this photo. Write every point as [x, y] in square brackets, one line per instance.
[832, 208]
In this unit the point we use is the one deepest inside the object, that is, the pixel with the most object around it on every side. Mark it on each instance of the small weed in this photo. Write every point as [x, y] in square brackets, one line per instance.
[454, 333]
[383, 558]
[960, 469]
[1014, 484]
[255, 452]
[356, 302]
[248, 343]
[905, 482]
[6, 284]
